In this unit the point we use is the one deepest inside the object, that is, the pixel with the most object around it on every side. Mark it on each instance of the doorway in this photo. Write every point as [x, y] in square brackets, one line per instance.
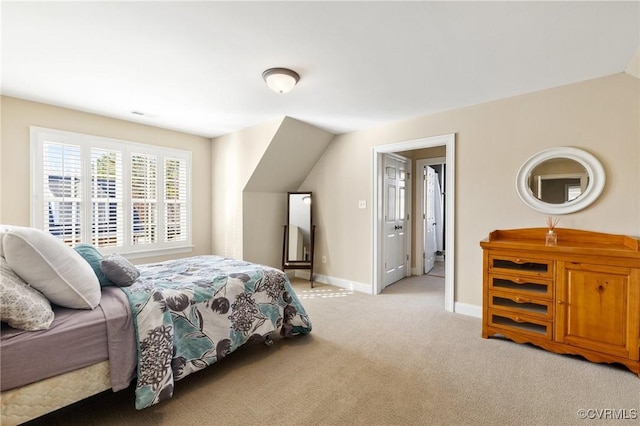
[448, 141]
[431, 209]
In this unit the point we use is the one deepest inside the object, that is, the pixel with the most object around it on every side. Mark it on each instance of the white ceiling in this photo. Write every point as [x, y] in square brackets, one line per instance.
[197, 65]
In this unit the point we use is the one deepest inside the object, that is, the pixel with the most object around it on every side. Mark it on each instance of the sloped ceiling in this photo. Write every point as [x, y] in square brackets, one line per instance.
[291, 155]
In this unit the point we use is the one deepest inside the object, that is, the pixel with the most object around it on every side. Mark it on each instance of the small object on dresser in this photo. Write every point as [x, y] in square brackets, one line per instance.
[551, 238]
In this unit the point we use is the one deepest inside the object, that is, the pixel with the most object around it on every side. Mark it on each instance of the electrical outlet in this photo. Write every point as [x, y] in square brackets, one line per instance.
[324, 259]
[362, 204]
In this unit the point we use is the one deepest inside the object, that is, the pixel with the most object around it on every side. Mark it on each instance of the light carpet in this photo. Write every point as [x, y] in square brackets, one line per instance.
[393, 359]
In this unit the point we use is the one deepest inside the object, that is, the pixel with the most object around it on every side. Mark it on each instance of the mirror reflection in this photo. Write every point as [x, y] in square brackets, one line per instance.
[558, 180]
[299, 227]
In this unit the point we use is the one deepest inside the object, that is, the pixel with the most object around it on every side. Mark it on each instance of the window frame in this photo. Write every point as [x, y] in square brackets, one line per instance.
[40, 135]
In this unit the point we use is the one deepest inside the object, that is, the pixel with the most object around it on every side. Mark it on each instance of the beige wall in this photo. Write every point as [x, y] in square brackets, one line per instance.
[253, 171]
[234, 158]
[16, 117]
[492, 141]
[264, 218]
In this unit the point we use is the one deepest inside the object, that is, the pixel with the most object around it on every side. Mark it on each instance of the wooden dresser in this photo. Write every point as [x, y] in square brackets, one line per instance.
[579, 297]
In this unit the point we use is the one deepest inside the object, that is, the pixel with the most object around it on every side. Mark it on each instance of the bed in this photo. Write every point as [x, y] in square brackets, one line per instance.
[83, 353]
[178, 317]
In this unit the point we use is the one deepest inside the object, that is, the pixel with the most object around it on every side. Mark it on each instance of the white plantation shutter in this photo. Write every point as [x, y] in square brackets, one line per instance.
[175, 199]
[62, 188]
[144, 196]
[107, 224]
[119, 196]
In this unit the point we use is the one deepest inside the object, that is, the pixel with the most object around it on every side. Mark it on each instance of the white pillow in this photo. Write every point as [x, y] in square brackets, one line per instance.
[20, 305]
[3, 230]
[51, 267]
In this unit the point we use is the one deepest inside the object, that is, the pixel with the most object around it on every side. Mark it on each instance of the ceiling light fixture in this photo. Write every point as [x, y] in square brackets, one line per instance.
[144, 114]
[280, 80]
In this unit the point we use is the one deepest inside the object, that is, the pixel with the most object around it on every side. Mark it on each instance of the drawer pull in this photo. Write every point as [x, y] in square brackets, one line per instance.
[560, 302]
[518, 319]
[517, 280]
[520, 300]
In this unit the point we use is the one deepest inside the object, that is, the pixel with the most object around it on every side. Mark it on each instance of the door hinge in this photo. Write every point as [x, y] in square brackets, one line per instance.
[407, 257]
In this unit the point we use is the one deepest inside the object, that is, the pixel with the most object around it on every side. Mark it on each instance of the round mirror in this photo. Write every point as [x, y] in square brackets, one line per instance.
[560, 180]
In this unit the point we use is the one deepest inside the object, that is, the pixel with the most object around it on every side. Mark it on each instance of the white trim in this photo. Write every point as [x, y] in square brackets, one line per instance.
[86, 143]
[448, 141]
[469, 310]
[155, 252]
[342, 283]
[595, 171]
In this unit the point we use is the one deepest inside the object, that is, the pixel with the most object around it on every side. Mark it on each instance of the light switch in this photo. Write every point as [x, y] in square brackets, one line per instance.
[362, 204]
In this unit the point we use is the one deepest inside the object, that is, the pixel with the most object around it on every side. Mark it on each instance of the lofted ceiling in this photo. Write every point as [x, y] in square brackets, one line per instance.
[196, 66]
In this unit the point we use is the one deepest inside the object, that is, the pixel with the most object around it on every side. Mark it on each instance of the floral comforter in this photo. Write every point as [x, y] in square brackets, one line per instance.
[190, 313]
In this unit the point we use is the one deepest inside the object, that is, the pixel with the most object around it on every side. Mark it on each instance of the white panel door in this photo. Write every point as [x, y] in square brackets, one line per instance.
[395, 220]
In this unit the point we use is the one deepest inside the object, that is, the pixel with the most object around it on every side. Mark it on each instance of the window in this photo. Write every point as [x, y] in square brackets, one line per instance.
[119, 196]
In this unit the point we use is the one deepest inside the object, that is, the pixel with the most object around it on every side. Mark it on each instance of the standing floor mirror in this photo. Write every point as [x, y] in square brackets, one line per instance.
[298, 240]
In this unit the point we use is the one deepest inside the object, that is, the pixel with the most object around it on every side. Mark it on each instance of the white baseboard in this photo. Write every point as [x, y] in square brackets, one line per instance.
[342, 283]
[467, 309]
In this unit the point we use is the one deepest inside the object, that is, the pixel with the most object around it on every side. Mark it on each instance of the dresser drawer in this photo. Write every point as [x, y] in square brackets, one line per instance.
[521, 265]
[522, 324]
[521, 305]
[523, 285]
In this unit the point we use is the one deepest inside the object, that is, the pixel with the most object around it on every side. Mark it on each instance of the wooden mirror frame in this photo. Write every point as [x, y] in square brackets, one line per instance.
[594, 169]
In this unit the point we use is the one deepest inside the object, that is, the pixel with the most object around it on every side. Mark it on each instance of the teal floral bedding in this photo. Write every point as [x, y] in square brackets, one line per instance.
[190, 313]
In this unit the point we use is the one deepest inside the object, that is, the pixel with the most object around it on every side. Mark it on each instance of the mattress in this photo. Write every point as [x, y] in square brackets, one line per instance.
[25, 403]
[76, 339]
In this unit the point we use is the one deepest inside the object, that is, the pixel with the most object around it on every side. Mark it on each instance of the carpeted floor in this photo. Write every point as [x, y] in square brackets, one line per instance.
[393, 359]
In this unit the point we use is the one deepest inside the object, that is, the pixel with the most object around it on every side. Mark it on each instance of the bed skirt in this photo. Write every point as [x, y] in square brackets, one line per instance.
[25, 403]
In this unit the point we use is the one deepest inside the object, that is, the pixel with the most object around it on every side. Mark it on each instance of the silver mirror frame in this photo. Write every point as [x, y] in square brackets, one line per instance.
[594, 170]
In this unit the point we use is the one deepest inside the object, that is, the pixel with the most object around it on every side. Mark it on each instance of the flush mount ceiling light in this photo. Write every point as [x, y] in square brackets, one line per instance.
[280, 80]
[144, 114]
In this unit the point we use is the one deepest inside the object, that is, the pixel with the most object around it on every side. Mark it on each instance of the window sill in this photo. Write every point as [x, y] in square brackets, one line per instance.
[140, 254]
